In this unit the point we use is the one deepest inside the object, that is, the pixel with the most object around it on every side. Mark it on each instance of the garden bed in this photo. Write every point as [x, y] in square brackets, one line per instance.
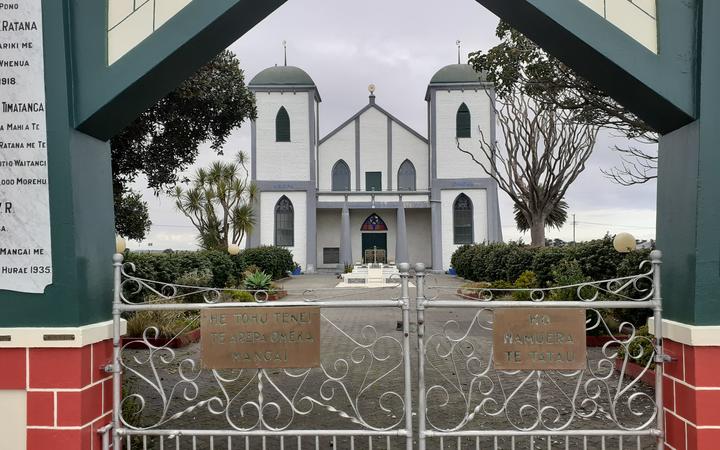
[632, 370]
[599, 341]
[179, 341]
[271, 297]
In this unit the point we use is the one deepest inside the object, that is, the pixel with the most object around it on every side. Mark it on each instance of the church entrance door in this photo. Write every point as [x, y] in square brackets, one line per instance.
[374, 247]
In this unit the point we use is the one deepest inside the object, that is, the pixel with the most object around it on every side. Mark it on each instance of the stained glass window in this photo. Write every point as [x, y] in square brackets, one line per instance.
[284, 223]
[373, 223]
[463, 220]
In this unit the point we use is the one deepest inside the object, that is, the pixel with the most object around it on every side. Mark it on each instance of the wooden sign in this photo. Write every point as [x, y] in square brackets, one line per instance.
[262, 337]
[539, 339]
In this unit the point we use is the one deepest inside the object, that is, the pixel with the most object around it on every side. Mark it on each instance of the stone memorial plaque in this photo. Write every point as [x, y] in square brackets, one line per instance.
[262, 337]
[25, 262]
[539, 339]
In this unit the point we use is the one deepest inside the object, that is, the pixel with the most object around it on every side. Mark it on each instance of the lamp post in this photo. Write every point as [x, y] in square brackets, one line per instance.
[624, 242]
[120, 244]
[233, 249]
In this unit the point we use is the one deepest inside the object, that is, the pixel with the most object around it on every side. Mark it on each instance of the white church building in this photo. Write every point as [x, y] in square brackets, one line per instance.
[374, 189]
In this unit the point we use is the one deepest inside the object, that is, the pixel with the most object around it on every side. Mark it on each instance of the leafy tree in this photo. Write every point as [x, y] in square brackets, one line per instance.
[132, 219]
[218, 203]
[163, 141]
[543, 153]
[518, 65]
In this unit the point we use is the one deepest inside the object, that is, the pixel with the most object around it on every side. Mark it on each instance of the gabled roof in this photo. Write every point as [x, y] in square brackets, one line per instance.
[382, 111]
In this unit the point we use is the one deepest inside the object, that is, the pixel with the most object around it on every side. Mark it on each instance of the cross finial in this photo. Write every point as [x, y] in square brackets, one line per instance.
[458, 46]
[285, 51]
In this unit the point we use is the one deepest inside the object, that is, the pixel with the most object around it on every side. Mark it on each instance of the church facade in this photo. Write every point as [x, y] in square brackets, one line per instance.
[374, 189]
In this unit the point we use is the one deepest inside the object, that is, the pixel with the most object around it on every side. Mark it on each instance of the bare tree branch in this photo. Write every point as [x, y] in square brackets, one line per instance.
[543, 153]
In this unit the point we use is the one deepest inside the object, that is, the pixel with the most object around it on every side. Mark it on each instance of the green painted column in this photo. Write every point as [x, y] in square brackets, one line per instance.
[688, 210]
[81, 208]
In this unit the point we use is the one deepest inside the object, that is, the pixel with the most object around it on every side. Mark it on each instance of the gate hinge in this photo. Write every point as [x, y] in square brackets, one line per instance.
[663, 358]
[107, 368]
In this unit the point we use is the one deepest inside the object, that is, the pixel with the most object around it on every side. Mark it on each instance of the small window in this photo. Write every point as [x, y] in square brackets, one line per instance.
[373, 181]
[331, 255]
[462, 121]
[282, 126]
[406, 176]
[284, 223]
[341, 176]
[463, 220]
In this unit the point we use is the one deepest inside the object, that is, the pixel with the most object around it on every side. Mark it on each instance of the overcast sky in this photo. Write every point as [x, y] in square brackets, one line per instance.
[398, 45]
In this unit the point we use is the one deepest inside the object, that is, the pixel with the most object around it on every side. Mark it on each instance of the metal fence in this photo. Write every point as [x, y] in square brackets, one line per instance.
[378, 354]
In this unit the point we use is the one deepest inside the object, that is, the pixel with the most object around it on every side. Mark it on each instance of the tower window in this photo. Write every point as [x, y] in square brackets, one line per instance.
[284, 223]
[462, 220]
[406, 176]
[341, 176]
[462, 121]
[282, 126]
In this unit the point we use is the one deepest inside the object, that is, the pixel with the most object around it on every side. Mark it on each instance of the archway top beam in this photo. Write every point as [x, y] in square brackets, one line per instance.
[660, 88]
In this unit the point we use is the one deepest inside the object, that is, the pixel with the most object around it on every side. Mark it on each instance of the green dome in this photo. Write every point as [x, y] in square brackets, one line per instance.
[282, 76]
[457, 74]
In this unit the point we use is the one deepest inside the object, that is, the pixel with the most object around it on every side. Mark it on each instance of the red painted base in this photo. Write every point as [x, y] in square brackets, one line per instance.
[69, 395]
[691, 387]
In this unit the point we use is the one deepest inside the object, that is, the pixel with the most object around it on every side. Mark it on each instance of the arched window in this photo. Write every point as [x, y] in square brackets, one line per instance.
[282, 126]
[462, 122]
[406, 176]
[341, 176]
[284, 223]
[373, 223]
[463, 220]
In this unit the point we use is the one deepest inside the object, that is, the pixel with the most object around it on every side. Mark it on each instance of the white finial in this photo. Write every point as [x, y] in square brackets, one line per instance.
[371, 89]
[285, 50]
[458, 46]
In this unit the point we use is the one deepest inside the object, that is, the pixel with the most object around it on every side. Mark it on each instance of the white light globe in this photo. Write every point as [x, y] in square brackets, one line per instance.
[233, 249]
[120, 244]
[624, 242]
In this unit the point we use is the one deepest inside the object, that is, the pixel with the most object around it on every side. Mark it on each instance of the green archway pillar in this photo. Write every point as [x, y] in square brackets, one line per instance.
[54, 345]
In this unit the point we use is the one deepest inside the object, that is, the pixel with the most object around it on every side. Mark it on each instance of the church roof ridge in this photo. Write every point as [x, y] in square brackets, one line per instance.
[382, 111]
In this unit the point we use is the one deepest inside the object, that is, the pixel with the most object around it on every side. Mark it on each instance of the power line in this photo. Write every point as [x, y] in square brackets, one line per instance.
[616, 225]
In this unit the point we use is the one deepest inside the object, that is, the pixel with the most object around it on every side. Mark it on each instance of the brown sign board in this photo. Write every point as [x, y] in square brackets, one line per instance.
[260, 337]
[539, 339]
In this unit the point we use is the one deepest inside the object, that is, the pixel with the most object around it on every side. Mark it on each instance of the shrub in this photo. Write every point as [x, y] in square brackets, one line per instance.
[241, 296]
[526, 280]
[258, 281]
[200, 278]
[597, 260]
[275, 261]
[168, 322]
[566, 273]
[500, 285]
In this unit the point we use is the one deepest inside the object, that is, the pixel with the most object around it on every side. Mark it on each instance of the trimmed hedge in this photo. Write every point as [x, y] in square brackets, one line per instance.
[226, 269]
[597, 259]
[275, 261]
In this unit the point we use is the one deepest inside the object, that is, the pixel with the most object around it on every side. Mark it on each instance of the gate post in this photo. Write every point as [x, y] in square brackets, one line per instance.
[405, 301]
[420, 305]
[116, 371]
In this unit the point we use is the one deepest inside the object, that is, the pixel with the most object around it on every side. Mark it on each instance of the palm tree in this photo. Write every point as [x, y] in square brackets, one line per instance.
[218, 203]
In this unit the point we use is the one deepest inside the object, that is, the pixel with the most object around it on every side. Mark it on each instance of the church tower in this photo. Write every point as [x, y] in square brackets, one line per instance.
[283, 161]
[464, 198]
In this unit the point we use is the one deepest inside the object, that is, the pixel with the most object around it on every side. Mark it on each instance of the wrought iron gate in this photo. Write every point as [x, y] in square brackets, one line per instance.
[362, 394]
